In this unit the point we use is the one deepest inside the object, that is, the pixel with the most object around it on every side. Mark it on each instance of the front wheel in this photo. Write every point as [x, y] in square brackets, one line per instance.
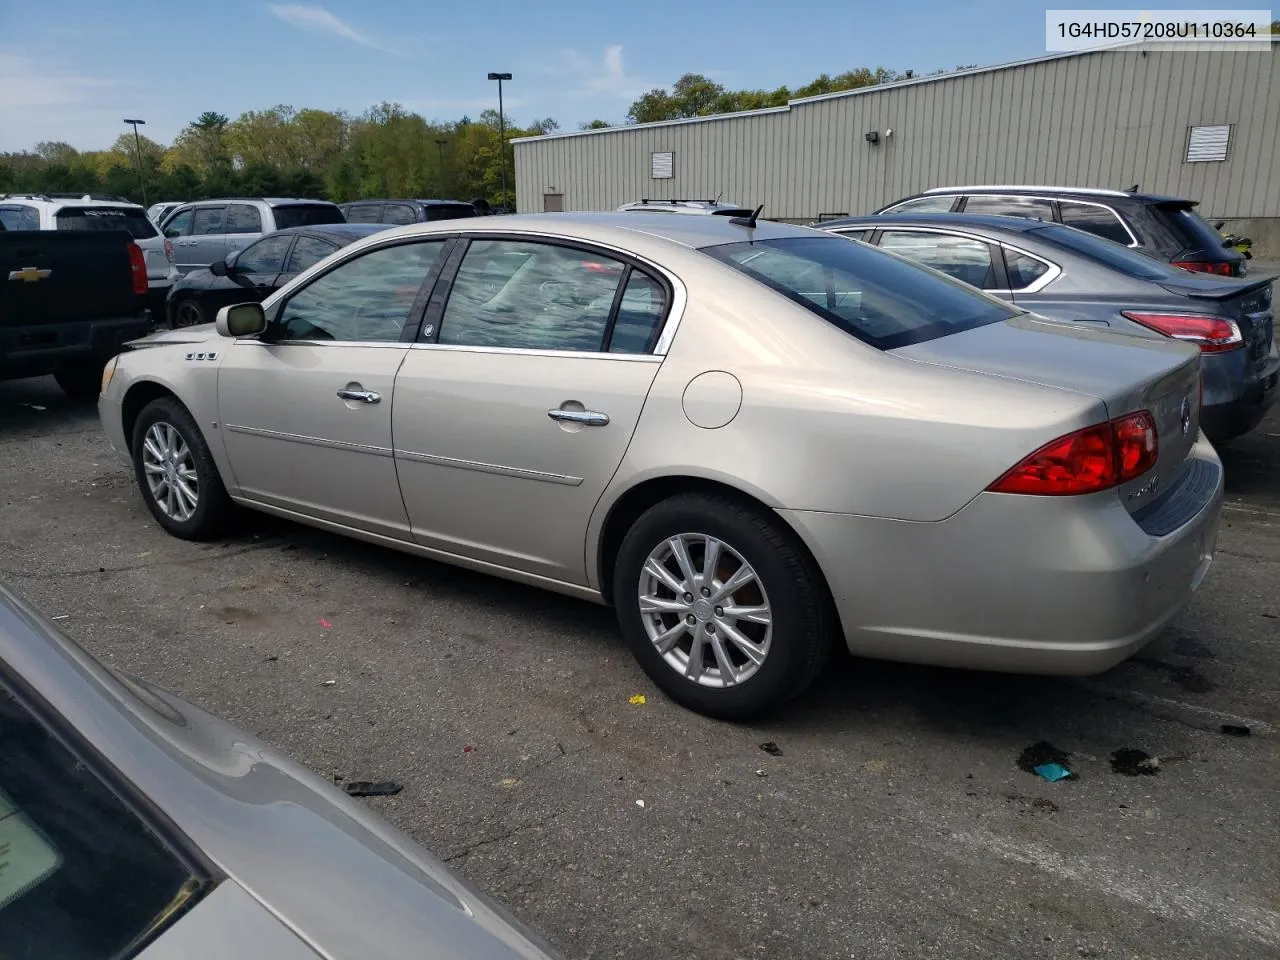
[189, 313]
[176, 473]
[722, 606]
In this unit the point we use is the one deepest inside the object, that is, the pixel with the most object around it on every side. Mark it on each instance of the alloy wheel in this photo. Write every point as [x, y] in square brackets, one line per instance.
[170, 470]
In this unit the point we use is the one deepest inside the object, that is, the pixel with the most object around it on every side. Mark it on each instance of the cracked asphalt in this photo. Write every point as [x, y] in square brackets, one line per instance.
[894, 823]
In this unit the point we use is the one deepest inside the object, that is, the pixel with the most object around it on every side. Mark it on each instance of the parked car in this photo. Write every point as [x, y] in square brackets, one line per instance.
[1165, 228]
[1066, 274]
[70, 299]
[406, 211]
[156, 212]
[209, 230]
[696, 207]
[40, 211]
[752, 440]
[136, 824]
[256, 271]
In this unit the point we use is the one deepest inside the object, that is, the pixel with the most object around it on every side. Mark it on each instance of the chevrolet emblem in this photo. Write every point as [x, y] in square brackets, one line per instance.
[30, 274]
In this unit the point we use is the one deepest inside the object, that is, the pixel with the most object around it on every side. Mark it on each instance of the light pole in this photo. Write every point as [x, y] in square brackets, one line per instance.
[440, 144]
[502, 133]
[137, 142]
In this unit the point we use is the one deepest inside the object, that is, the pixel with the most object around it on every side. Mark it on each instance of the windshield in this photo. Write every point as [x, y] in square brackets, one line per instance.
[307, 215]
[879, 298]
[1110, 254]
[133, 219]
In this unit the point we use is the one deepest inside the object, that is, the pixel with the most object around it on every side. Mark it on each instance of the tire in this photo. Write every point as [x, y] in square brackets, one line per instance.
[788, 589]
[188, 312]
[175, 430]
[81, 380]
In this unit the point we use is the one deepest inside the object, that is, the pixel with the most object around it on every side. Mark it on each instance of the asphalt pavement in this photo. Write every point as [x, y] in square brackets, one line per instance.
[890, 820]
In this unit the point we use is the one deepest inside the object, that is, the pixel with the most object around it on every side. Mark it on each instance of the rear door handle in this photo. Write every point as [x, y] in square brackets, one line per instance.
[586, 417]
[361, 396]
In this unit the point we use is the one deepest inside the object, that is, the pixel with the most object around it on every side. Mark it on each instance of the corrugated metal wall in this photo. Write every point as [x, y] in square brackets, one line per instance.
[1108, 119]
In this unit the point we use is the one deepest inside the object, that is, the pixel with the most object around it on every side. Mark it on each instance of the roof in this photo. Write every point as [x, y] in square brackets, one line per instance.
[972, 220]
[346, 232]
[426, 202]
[615, 227]
[839, 94]
[271, 201]
[1044, 188]
[80, 200]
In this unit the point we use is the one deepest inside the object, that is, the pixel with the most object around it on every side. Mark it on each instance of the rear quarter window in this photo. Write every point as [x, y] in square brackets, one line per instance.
[106, 218]
[881, 299]
[307, 215]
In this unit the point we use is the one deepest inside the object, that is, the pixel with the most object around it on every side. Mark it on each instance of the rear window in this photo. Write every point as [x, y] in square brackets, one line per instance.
[307, 215]
[1105, 252]
[82, 877]
[450, 211]
[133, 219]
[877, 298]
[1195, 228]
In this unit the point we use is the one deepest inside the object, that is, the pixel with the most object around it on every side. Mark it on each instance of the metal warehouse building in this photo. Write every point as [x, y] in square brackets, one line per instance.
[1203, 124]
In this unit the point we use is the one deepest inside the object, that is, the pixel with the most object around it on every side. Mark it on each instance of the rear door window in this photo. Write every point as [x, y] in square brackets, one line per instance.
[242, 218]
[965, 259]
[398, 213]
[1032, 208]
[82, 877]
[1100, 221]
[208, 220]
[306, 215]
[18, 217]
[132, 219]
[881, 300]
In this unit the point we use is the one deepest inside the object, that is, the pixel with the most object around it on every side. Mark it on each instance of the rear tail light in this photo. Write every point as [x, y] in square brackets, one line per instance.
[168, 249]
[1095, 458]
[139, 265]
[1211, 334]
[1220, 268]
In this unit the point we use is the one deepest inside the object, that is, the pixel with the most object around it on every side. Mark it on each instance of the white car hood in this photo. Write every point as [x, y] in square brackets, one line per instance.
[198, 334]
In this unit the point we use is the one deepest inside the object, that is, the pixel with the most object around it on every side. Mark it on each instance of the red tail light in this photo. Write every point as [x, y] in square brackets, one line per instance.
[1202, 266]
[168, 249]
[138, 263]
[1212, 334]
[1095, 458]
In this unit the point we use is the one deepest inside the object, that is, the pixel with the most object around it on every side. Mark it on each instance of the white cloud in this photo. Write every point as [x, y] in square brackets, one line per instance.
[40, 100]
[602, 78]
[320, 20]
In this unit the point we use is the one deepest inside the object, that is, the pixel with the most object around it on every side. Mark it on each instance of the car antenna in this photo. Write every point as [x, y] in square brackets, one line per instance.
[1133, 189]
[748, 221]
[719, 195]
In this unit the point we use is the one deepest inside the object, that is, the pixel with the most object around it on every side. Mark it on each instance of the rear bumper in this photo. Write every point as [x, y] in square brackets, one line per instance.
[1235, 402]
[37, 349]
[1069, 585]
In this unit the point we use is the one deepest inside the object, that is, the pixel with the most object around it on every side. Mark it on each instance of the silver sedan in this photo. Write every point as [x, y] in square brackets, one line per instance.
[133, 824]
[754, 440]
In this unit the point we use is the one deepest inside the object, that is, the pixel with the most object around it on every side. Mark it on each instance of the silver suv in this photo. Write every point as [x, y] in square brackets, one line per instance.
[698, 207]
[205, 231]
[43, 211]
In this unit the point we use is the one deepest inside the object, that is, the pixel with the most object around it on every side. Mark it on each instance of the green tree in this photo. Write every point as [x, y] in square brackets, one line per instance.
[595, 125]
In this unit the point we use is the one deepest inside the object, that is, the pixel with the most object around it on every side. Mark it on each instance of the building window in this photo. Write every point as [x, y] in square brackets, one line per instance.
[1206, 144]
[553, 203]
[663, 166]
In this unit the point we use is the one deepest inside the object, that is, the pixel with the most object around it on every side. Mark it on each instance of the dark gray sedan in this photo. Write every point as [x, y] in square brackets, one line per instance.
[133, 824]
[1066, 274]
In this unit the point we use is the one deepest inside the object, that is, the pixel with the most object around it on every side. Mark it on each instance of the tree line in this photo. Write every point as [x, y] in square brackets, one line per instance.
[387, 151]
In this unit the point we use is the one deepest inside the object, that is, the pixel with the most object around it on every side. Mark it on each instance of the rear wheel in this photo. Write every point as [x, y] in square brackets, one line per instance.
[81, 380]
[176, 473]
[189, 313]
[722, 606]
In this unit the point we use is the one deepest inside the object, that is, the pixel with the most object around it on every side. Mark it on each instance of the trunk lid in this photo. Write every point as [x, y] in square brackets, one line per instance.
[1250, 303]
[1126, 373]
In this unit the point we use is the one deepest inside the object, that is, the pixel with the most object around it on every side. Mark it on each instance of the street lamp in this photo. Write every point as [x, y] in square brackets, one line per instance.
[137, 142]
[440, 144]
[502, 132]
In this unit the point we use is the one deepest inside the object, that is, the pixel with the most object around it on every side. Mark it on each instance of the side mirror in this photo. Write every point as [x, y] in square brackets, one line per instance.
[241, 320]
[219, 268]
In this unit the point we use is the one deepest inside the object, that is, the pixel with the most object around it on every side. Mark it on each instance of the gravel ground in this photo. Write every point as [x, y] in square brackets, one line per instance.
[894, 823]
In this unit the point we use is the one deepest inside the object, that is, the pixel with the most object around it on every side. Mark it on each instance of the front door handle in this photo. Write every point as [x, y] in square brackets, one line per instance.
[362, 396]
[587, 418]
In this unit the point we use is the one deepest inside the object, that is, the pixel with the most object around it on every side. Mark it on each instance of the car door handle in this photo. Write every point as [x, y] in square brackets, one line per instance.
[362, 396]
[587, 418]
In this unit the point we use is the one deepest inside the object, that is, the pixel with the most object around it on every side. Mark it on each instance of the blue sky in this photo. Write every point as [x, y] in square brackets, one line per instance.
[71, 69]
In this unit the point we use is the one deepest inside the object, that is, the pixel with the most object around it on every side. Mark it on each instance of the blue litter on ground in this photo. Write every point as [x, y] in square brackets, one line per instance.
[1052, 772]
